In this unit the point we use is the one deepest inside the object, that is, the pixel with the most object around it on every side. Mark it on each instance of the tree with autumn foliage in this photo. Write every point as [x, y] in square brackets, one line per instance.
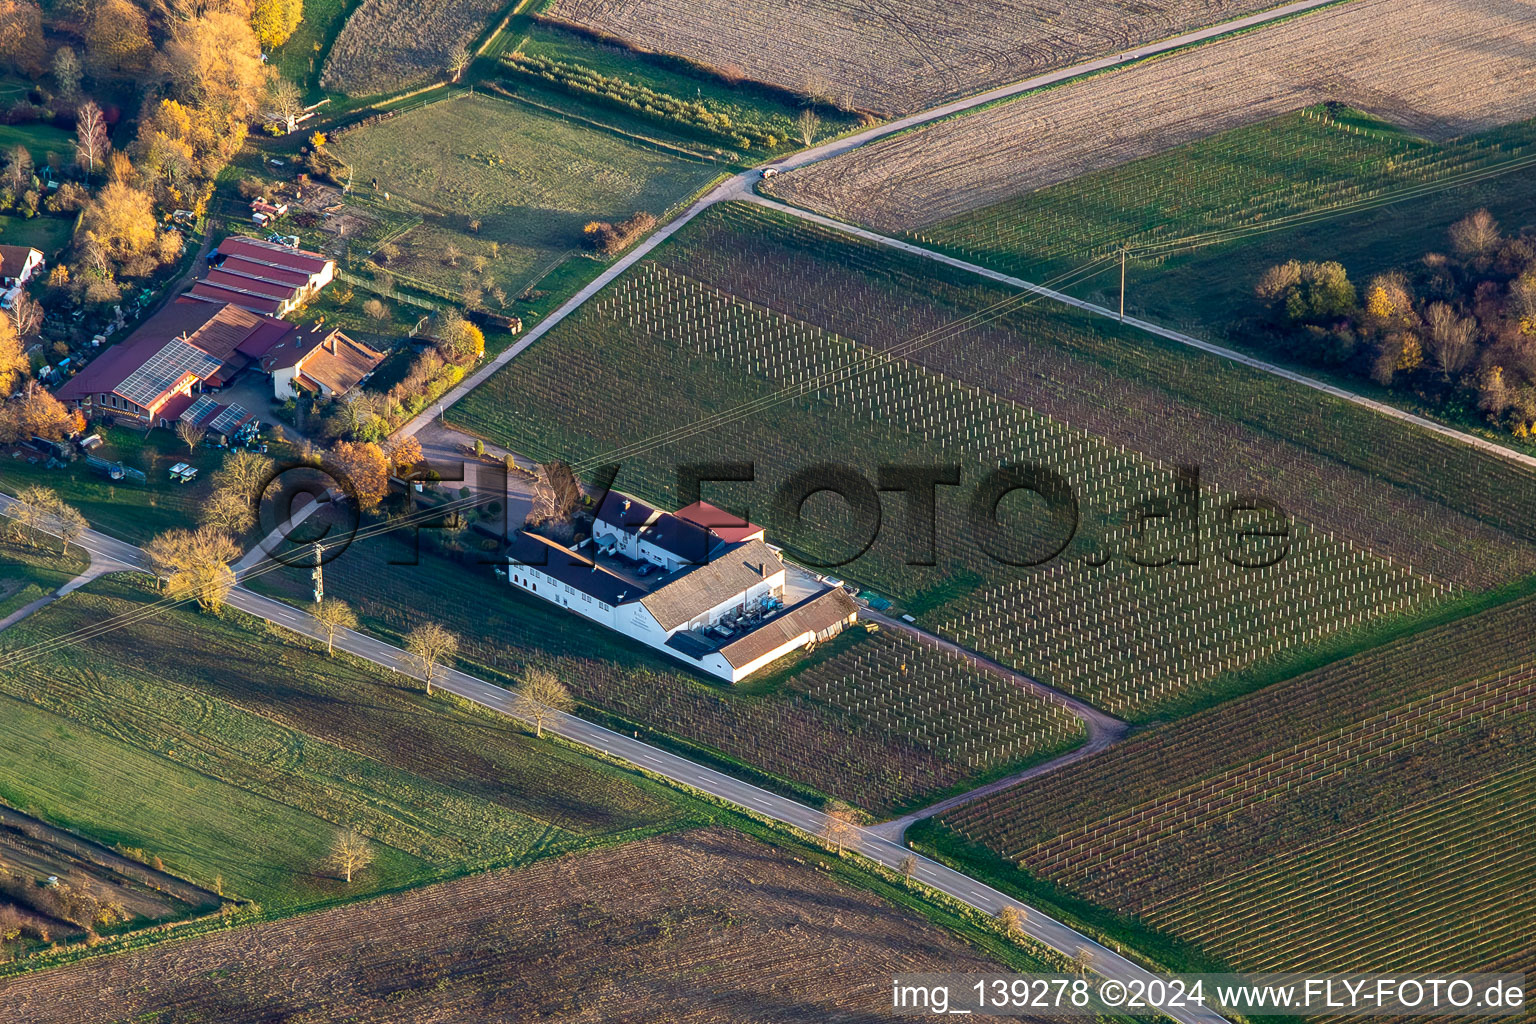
[117, 38]
[36, 412]
[364, 469]
[21, 37]
[195, 564]
[13, 358]
[273, 21]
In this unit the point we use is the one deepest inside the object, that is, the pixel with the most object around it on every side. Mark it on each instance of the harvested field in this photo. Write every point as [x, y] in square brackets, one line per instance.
[387, 45]
[1439, 68]
[886, 58]
[706, 926]
[1373, 814]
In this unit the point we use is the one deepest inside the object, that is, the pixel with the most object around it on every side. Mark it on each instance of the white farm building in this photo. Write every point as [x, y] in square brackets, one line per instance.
[712, 596]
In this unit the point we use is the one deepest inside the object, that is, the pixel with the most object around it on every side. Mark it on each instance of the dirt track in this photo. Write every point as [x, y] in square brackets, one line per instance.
[1439, 68]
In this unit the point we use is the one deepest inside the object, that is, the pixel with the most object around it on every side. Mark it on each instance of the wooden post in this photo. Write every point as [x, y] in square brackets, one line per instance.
[1122, 284]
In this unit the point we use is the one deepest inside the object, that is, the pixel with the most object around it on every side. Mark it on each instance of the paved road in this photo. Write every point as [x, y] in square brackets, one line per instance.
[100, 563]
[741, 186]
[1037, 925]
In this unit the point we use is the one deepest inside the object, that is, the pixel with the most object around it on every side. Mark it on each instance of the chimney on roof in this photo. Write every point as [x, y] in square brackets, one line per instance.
[626, 505]
[330, 343]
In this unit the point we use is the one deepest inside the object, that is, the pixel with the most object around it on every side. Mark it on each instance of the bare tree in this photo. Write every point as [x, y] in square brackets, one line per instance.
[908, 867]
[350, 853]
[458, 60]
[195, 564]
[284, 101]
[840, 827]
[228, 510]
[1452, 339]
[191, 434]
[69, 524]
[26, 314]
[1476, 236]
[333, 616]
[41, 511]
[430, 645]
[540, 695]
[807, 125]
[91, 139]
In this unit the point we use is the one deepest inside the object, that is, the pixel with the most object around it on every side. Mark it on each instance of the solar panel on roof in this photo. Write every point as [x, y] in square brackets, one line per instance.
[163, 369]
[228, 419]
[204, 406]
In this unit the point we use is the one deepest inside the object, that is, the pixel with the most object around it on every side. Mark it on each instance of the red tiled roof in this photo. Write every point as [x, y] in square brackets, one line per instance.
[227, 332]
[729, 528]
[293, 279]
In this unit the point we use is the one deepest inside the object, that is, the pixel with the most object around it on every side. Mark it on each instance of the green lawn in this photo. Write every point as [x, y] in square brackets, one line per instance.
[531, 179]
[132, 511]
[303, 55]
[40, 140]
[226, 749]
[46, 233]
[29, 571]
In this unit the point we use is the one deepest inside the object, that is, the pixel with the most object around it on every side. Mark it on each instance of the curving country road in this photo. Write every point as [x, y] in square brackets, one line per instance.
[890, 853]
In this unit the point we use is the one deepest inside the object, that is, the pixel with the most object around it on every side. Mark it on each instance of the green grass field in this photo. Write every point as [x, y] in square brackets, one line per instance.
[303, 55]
[29, 571]
[135, 512]
[228, 750]
[46, 233]
[40, 140]
[531, 179]
[743, 307]
[745, 104]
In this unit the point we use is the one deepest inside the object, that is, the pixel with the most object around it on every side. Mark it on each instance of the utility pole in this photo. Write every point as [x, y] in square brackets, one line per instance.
[1122, 284]
[318, 576]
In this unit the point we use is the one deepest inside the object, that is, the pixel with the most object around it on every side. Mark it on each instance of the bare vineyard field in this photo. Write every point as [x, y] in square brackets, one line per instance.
[1367, 815]
[887, 58]
[1437, 69]
[744, 304]
[879, 721]
[388, 45]
[705, 926]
